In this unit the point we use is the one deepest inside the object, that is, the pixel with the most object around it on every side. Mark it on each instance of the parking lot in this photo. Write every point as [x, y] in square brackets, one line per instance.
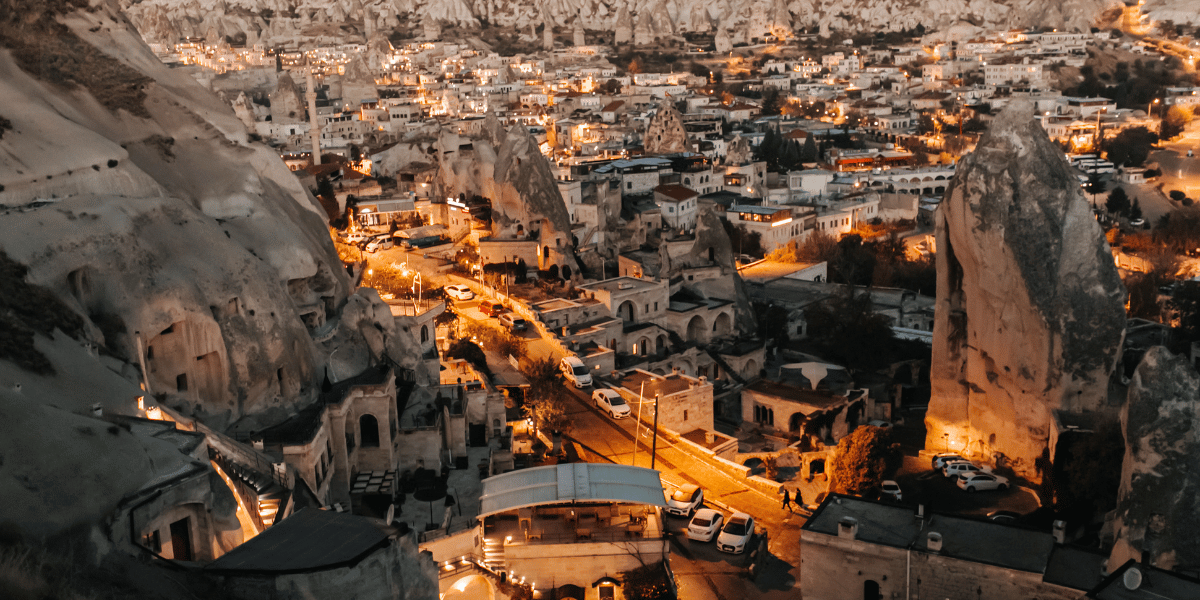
[922, 485]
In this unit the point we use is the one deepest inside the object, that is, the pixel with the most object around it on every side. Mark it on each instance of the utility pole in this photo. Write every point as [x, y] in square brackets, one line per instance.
[638, 425]
[654, 444]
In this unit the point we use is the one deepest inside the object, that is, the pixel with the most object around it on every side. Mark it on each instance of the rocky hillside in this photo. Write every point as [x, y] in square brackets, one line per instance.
[135, 198]
[277, 21]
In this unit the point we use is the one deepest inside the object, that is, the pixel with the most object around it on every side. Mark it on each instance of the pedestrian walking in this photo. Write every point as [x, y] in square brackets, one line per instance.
[787, 500]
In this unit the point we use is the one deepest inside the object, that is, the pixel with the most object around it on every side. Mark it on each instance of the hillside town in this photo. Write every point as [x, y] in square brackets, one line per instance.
[600, 315]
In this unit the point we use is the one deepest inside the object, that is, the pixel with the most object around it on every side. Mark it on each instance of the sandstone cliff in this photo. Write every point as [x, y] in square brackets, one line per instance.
[136, 197]
[275, 23]
[1030, 308]
[1158, 505]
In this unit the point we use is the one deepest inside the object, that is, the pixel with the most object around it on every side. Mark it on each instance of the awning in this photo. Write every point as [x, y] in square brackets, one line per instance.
[576, 482]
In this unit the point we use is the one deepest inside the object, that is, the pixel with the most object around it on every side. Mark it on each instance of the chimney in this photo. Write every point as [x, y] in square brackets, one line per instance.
[709, 437]
[1060, 532]
[674, 370]
[703, 379]
[921, 511]
[933, 541]
[257, 444]
[848, 528]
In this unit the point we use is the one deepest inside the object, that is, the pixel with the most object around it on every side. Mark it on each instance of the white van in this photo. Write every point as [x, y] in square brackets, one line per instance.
[380, 243]
[575, 371]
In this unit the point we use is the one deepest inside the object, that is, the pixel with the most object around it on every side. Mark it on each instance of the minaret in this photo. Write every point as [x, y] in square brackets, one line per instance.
[314, 128]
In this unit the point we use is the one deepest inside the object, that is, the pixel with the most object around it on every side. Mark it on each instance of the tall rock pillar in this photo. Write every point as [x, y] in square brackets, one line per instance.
[1030, 310]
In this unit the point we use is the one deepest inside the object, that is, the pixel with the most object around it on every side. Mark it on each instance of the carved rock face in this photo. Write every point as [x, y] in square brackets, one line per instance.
[665, 133]
[1158, 505]
[1030, 314]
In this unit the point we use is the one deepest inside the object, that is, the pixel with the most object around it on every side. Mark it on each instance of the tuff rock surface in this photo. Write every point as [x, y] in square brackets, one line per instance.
[1030, 309]
[665, 133]
[1158, 504]
[275, 22]
[137, 198]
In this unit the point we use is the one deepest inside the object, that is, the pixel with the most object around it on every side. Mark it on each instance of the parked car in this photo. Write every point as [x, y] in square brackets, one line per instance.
[978, 482]
[611, 402]
[356, 237]
[1003, 516]
[575, 371]
[380, 243]
[685, 500]
[459, 292]
[491, 309]
[891, 490]
[960, 467]
[513, 322]
[880, 424]
[736, 533]
[940, 460]
[705, 525]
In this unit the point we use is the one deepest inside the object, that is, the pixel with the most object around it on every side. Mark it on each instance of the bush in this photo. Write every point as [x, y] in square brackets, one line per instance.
[470, 352]
[1177, 195]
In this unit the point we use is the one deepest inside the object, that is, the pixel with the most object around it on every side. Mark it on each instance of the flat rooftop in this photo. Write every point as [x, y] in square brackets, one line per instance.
[965, 539]
[310, 540]
[621, 284]
[818, 400]
[656, 384]
[769, 270]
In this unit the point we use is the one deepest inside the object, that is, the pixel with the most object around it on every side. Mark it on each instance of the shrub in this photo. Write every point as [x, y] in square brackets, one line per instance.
[1177, 195]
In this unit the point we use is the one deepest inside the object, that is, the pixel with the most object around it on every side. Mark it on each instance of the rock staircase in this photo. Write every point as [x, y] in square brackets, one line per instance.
[493, 554]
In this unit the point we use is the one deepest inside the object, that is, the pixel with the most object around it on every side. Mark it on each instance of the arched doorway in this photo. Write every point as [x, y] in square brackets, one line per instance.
[870, 590]
[643, 347]
[627, 311]
[722, 325]
[471, 587]
[660, 344]
[696, 329]
[751, 369]
[368, 427]
[424, 333]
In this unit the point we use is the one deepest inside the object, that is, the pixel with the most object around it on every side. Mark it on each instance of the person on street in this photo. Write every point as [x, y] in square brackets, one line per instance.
[787, 500]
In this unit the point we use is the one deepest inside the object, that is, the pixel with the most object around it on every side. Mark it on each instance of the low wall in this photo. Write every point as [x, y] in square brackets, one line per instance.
[581, 564]
[448, 547]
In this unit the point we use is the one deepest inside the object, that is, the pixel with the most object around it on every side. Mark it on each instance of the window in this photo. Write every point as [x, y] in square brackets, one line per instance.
[368, 431]
[181, 382]
[685, 415]
[629, 185]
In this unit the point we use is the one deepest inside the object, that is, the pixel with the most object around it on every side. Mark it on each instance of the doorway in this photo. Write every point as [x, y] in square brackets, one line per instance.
[181, 539]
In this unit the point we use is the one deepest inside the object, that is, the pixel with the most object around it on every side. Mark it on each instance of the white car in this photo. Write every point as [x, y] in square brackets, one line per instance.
[705, 525]
[611, 402]
[891, 490]
[356, 237]
[978, 482]
[685, 500]
[960, 467]
[940, 460]
[459, 292]
[736, 534]
[379, 243]
[575, 371]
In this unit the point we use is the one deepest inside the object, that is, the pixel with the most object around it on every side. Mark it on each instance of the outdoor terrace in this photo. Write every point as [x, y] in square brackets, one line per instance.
[576, 523]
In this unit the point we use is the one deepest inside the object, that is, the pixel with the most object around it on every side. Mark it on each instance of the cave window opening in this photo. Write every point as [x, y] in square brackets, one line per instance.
[181, 383]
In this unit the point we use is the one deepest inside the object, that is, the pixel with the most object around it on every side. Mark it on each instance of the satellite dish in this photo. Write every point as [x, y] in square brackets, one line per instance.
[391, 514]
[1132, 579]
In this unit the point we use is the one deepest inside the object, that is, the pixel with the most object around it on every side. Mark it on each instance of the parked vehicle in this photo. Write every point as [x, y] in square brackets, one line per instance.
[611, 402]
[940, 460]
[380, 243]
[575, 371]
[705, 525]
[356, 237]
[978, 482]
[685, 500]
[736, 534]
[960, 467]
[1003, 516]
[491, 309]
[513, 322]
[459, 292]
[880, 423]
[891, 490]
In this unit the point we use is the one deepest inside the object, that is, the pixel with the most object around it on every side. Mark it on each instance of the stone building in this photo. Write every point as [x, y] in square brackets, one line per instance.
[859, 548]
[685, 403]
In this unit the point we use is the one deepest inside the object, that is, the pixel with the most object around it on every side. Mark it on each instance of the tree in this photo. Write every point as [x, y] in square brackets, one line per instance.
[863, 460]
[809, 154]
[847, 329]
[1135, 211]
[543, 400]
[1118, 202]
[1094, 185]
[1130, 147]
[1174, 122]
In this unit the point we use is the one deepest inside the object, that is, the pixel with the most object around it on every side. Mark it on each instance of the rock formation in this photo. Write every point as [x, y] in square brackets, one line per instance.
[181, 245]
[358, 83]
[738, 152]
[643, 32]
[721, 42]
[1158, 505]
[623, 27]
[1030, 309]
[577, 35]
[665, 133]
[286, 103]
[753, 17]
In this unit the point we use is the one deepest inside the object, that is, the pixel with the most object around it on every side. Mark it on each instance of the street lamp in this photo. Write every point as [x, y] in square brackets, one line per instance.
[1150, 108]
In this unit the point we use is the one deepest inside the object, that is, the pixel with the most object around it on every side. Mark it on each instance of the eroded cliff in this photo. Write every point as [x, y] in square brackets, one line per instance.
[1030, 309]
